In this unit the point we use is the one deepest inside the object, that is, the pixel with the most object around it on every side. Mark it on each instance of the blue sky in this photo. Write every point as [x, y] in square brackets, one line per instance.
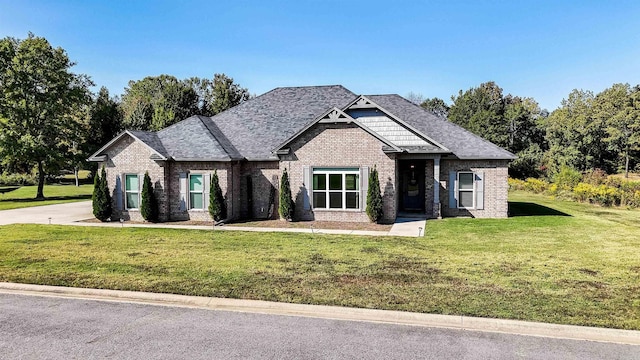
[541, 49]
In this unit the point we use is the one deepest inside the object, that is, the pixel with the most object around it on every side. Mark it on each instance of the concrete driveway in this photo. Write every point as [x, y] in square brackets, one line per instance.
[59, 214]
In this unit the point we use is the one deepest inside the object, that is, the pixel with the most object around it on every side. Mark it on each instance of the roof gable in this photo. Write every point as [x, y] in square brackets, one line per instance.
[149, 139]
[334, 116]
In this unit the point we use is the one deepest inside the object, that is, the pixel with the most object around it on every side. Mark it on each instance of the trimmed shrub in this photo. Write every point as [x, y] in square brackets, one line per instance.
[149, 204]
[374, 197]
[286, 207]
[217, 205]
[101, 199]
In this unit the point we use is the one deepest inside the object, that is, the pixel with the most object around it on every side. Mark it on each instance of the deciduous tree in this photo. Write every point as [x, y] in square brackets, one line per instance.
[39, 101]
[156, 102]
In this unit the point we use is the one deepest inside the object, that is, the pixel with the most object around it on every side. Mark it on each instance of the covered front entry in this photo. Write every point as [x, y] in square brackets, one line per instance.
[412, 186]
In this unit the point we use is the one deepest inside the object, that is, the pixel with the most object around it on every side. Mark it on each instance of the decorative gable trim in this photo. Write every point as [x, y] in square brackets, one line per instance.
[98, 156]
[362, 102]
[334, 116]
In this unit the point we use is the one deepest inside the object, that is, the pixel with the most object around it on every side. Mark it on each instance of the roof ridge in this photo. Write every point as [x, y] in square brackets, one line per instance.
[310, 86]
[224, 142]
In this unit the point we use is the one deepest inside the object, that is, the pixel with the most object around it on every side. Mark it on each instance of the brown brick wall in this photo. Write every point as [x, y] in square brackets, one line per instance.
[324, 145]
[128, 156]
[340, 145]
[495, 187]
[264, 176]
[225, 172]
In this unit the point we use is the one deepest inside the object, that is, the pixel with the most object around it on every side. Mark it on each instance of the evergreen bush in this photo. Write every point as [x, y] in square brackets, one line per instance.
[217, 205]
[149, 204]
[374, 197]
[101, 198]
[286, 207]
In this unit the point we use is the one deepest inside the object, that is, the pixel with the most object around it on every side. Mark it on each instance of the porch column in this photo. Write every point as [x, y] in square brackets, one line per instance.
[436, 187]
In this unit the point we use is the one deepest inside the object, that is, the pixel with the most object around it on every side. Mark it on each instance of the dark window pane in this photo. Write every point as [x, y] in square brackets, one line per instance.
[319, 182]
[466, 181]
[335, 200]
[353, 201]
[466, 199]
[320, 200]
[335, 181]
[352, 182]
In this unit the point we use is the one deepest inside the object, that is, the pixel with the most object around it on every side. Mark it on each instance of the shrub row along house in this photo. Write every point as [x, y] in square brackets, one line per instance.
[328, 139]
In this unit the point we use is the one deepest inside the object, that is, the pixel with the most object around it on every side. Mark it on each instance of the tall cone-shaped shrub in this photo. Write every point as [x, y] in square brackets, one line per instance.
[101, 199]
[149, 204]
[374, 197]
[286, 206]
[217, 205]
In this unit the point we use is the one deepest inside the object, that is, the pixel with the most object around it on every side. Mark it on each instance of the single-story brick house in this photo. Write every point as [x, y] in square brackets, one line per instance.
[328, 139]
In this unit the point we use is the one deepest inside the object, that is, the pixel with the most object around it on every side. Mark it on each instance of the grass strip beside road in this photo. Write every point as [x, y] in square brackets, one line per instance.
[54, 194]
[563, 262]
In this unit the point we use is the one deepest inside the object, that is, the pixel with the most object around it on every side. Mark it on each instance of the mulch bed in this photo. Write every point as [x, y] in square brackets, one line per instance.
[278, 224]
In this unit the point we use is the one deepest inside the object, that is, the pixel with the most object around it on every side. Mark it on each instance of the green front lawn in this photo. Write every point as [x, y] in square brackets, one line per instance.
[54, 194]
[581, 269]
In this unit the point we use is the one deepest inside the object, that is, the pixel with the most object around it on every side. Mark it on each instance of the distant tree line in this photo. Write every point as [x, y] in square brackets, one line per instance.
[51, 121]
[586, 132]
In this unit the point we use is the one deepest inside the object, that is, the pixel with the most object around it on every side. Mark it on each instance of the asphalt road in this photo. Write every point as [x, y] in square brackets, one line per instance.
[34, 327]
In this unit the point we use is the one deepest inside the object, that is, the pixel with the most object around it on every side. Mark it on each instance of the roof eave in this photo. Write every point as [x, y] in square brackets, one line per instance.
[99, 158]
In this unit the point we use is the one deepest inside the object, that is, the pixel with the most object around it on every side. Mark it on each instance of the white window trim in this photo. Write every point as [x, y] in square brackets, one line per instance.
[189, 192]
[344, 191]
[472, 190]
[126, 192]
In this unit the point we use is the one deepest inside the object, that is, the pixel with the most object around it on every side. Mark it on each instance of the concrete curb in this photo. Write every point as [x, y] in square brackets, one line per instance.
[629, 337]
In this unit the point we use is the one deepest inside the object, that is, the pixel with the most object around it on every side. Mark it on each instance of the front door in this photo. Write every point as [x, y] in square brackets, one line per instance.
[412, 182]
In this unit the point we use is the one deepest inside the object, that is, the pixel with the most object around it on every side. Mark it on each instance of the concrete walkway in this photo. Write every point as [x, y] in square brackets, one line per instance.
[61, 214]
[335, 312]
[413, 227]
[74, 213]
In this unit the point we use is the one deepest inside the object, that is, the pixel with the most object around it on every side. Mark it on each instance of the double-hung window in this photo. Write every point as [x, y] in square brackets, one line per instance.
[196, 192]
[132, 191]
[466, 190]
[336, 188]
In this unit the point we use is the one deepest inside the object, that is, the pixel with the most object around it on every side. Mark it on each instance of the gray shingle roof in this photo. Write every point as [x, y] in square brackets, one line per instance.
[152, 140]
[191, 139]
[258, 126]
[464, 144]
[253, 129]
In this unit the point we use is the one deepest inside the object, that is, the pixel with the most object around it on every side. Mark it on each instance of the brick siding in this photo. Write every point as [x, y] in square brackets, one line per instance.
[495, 187]
[340, 145]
